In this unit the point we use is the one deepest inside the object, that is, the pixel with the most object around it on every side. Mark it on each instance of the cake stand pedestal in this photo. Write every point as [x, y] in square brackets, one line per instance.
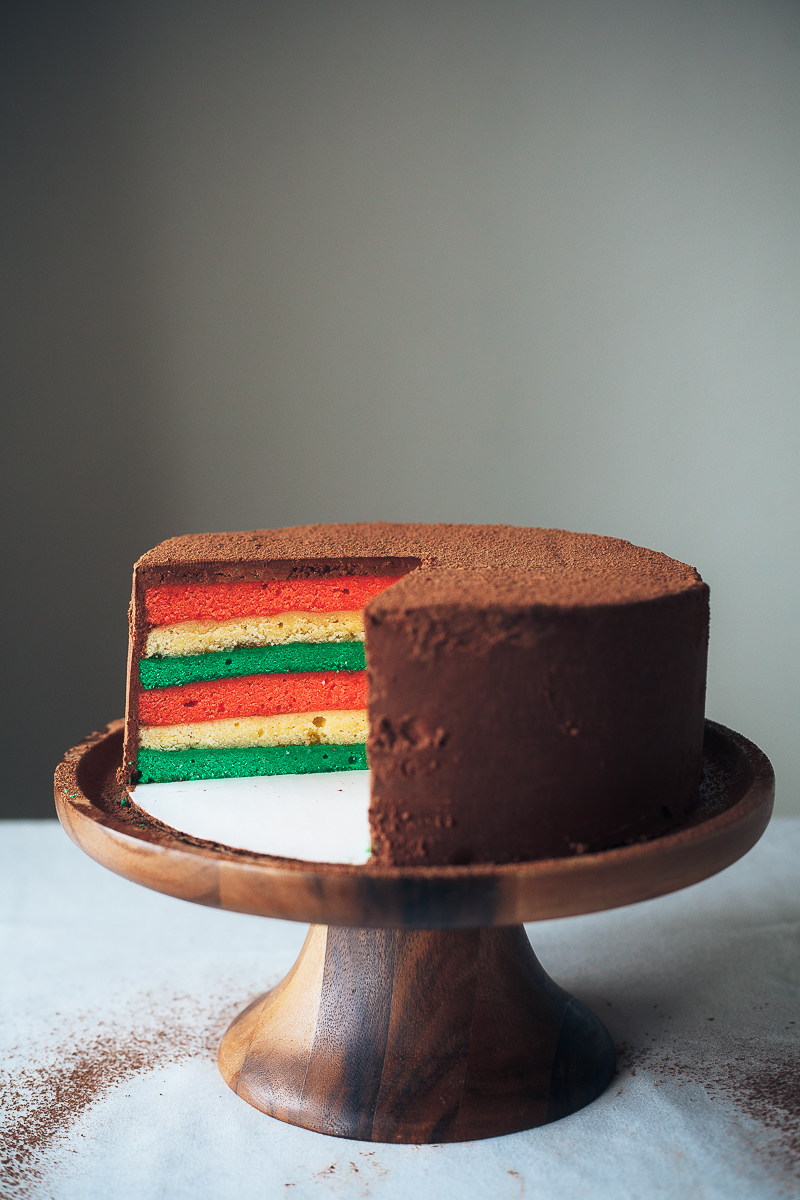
[393, 1035]
[417, 1010]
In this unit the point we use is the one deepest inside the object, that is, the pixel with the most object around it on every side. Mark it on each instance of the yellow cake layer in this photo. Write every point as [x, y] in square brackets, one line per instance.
[341, 727]
[200, 637]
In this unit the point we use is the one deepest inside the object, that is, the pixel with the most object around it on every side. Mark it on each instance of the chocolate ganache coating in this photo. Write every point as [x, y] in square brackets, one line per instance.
[516, 716]
[532, 692]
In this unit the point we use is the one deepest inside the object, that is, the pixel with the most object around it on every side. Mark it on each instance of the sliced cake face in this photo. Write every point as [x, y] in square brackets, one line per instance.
[233, 677]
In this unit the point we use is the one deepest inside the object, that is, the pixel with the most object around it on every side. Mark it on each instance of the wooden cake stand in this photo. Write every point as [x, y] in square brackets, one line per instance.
[417, 1010]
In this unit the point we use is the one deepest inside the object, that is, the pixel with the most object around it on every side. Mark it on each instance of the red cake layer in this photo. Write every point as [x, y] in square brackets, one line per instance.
[253, 696]
[170, 603]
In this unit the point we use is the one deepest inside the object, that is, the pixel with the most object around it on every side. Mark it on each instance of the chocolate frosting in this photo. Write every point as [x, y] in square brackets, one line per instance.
[379, 547]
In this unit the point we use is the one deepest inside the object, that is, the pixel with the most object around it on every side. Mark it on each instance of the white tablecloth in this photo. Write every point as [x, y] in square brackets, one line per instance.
[113, 999]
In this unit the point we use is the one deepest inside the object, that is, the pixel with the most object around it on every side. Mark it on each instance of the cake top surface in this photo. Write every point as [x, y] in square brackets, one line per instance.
[522, 590]
[503, 564]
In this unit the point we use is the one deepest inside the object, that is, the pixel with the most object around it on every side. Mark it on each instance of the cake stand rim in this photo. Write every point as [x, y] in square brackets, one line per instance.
[343, 894]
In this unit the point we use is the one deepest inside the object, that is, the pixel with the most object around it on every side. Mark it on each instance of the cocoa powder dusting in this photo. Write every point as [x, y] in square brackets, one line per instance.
[761, 1081]
[43, 1099]
[772, 1096]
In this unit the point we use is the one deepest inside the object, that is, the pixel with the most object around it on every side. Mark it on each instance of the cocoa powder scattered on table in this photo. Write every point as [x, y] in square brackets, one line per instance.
[760, 1080]
[42, 1100]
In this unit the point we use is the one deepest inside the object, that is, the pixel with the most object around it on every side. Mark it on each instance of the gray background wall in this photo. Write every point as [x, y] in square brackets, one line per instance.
[271, 263]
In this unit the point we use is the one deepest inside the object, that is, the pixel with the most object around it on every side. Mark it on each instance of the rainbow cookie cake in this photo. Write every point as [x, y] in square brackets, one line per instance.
[525, 693]
[251, 677]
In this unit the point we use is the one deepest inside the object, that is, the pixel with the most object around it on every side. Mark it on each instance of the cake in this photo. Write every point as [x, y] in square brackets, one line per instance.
[525, 693]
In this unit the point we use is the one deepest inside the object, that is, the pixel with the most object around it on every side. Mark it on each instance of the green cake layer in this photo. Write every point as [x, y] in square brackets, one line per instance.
[174, 766]
[252, 660]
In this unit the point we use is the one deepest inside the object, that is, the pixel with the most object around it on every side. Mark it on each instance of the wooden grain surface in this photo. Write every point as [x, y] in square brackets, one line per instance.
[390, 1035]
[736, 804]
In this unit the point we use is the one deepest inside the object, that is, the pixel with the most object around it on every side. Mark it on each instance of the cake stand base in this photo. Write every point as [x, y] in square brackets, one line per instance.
[391, 1035]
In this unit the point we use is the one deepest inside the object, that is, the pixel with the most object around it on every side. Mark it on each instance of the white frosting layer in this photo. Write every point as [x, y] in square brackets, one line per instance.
[320, 818]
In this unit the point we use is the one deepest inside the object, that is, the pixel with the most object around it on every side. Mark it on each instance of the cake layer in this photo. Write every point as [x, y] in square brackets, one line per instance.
[168, 766]
[253, 696]
[263, 660]
[204, 637]
[345, 727]
[173, 602]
